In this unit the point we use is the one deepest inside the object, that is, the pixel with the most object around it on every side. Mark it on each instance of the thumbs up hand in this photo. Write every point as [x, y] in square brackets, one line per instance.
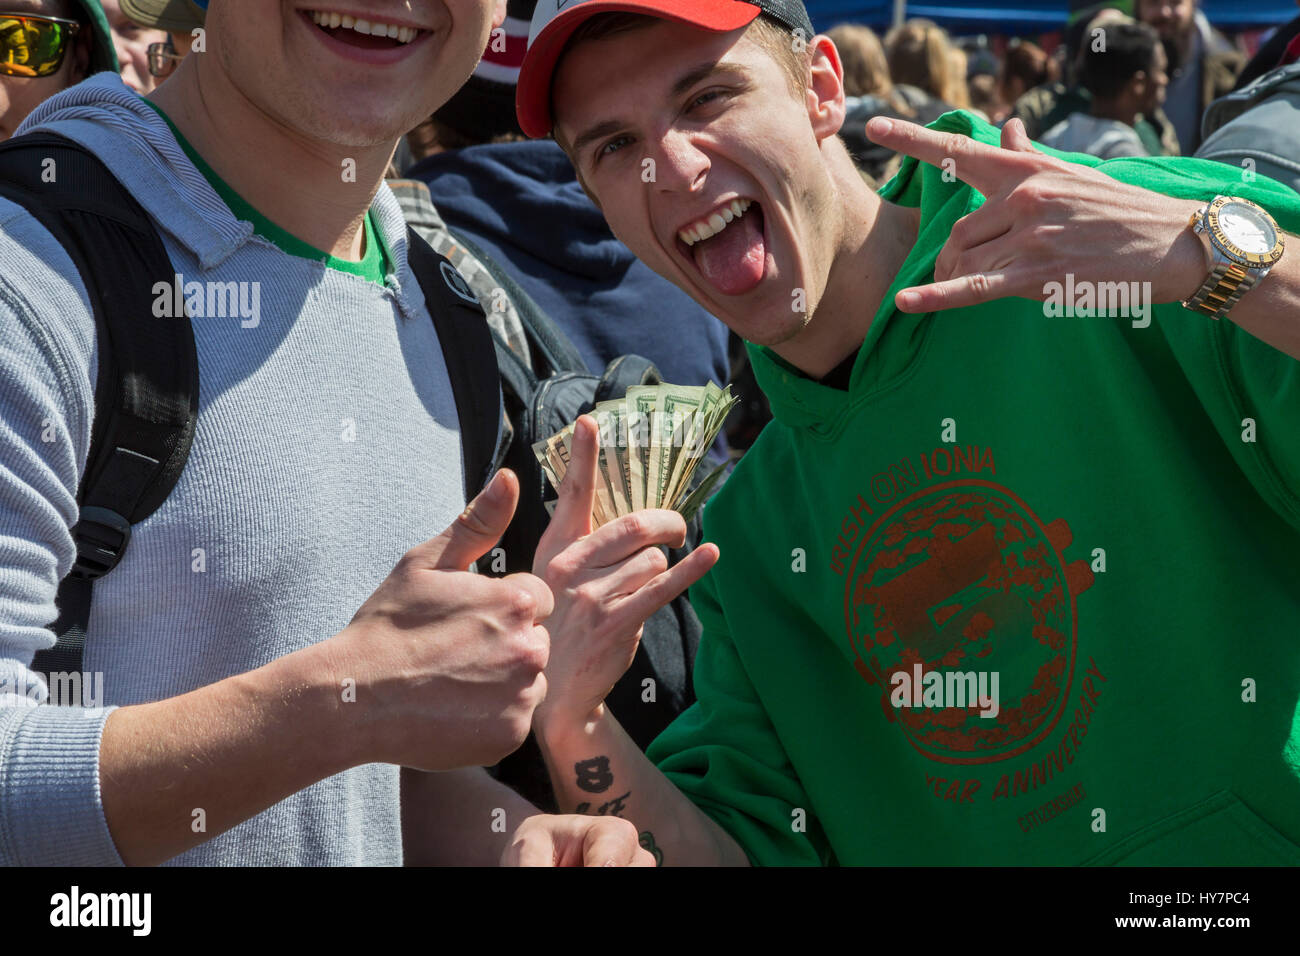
[447, 664]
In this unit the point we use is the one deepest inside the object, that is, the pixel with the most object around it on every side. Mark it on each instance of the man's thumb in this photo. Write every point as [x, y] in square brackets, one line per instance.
[477, 528]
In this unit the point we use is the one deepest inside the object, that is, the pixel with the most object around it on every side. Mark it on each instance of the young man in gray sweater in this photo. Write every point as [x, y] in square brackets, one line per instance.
[250, 713]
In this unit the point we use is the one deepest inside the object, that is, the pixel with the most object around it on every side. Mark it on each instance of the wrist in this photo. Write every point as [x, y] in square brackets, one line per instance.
[1189, 261]
[558, 730]
[328, 724]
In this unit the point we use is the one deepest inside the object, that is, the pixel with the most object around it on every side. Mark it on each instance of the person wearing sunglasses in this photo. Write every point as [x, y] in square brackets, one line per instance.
[163, 59]
[132, 42]
[47, 46]
[182, 19]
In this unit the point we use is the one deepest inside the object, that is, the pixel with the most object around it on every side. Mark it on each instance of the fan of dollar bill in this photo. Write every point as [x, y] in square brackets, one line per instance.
[650, 444]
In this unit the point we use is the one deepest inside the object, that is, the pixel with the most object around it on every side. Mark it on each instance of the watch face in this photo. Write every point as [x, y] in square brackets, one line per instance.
[1246, 229]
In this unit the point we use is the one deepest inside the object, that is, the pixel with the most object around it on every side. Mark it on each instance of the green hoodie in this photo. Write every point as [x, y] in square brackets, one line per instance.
[1106, 517]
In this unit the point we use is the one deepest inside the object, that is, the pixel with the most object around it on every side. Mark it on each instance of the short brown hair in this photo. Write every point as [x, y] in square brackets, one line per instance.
[776, 39]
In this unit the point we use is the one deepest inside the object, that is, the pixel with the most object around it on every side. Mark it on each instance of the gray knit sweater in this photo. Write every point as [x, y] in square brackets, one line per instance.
[327, 445]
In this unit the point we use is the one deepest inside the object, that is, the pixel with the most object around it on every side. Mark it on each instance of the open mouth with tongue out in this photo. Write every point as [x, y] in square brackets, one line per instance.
[369, 40]
[729, 246]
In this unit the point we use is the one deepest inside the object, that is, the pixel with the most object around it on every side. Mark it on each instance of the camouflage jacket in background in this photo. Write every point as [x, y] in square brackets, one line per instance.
[422, 216]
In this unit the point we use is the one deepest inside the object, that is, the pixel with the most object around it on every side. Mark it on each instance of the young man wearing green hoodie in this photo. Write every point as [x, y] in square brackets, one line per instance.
[1007, 580]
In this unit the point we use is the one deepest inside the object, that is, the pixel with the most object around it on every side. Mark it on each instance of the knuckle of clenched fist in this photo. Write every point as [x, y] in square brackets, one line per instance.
[537, 656]
[521, 603]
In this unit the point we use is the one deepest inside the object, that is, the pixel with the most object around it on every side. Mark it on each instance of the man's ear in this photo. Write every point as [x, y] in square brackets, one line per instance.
[1137, 86]
[499, 14]
[825, 92]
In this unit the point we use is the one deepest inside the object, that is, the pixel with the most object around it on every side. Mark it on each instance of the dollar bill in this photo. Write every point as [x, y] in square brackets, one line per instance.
[719, 403]
[695, 441]
[696, 498]
[650, 443]
[544, 459]
[613, 456]
[677, 411]
[640, 415]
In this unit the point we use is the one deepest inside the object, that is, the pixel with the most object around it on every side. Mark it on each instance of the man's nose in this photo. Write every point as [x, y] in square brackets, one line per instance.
[679, 163]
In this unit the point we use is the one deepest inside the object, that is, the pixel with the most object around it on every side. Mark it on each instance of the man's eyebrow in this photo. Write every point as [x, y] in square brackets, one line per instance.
[684, 83]
[705, 70]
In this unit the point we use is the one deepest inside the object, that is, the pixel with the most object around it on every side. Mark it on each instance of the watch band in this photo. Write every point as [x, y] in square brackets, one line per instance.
[1222, 289]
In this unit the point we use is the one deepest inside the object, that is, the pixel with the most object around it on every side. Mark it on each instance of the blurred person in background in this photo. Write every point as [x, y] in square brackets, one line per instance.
[981, 80]
[866, 71]
[984, 98]
[1025, 67]
[47, 46]
[132, 44]
[1203, 64]
[958, 95]
[921, 66]
[1045, 106]
[1257, 125]
[1125, 76]
[181, 19]
[870, 91]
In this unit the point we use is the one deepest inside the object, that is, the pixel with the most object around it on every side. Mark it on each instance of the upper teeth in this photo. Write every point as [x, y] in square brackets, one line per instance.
[368, 27]
[716, 222]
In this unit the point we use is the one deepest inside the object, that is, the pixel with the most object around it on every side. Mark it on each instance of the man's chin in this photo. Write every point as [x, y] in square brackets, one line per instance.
[354, 126]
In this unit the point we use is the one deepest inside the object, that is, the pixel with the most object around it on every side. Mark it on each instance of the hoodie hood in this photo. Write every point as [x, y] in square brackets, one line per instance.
[514, 193]
[103, 55]
[117, 125]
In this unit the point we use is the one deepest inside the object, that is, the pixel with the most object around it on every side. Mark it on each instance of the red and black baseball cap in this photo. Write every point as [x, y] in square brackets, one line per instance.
[555, 20]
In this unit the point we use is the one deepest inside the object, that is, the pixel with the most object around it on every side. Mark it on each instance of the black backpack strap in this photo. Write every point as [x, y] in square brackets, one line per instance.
[545, 338]
[146, 395]
[467, 347]
[516, 377]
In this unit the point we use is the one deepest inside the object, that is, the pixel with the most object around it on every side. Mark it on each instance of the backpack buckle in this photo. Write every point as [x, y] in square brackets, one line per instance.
[101, 536]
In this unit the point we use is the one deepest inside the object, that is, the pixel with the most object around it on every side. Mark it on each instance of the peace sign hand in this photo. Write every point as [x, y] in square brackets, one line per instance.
[1042, 219]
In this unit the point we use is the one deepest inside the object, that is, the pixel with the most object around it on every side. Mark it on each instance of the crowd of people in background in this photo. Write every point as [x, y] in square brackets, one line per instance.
[1122, 80]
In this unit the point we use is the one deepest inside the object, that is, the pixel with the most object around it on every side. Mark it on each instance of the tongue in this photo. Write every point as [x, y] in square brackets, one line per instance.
[734, 259]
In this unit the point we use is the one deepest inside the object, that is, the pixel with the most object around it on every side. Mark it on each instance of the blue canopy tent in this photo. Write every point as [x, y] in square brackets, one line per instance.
[1027, 16]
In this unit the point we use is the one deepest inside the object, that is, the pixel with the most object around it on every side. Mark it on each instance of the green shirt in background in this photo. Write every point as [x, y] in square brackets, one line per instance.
[374, 265]
[1107, 517]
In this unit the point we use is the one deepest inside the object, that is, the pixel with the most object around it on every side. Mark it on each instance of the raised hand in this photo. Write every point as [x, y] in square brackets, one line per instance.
[605, 585]
[1043, 218]
[448, 664]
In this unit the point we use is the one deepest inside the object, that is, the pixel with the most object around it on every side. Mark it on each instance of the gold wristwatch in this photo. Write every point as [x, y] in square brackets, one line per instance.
[1244, 244]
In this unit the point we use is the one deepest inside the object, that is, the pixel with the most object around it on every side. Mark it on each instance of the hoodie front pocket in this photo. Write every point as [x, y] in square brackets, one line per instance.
[1218, 831]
